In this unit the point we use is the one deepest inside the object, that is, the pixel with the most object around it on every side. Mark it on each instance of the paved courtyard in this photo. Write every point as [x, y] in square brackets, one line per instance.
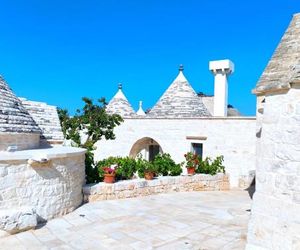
[195, 220]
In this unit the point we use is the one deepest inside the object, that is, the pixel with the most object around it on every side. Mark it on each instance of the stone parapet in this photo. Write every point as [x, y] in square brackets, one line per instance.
[48, 181]
[165, 184]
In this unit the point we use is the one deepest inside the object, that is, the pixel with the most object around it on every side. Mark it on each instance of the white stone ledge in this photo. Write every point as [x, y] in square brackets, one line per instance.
[164, 184]
[50, 153]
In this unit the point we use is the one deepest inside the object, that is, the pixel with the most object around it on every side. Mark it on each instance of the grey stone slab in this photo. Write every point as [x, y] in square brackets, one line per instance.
[169, 221]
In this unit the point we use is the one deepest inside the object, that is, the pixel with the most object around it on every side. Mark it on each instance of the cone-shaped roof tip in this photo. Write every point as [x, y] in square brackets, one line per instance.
[179, 101]
[120, 105]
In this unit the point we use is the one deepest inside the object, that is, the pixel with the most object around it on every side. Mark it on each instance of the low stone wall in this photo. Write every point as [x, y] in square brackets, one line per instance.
[50, 187]
[166, 184]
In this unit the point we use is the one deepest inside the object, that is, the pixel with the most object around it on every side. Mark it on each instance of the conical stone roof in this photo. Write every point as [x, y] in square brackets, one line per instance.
[120, 105]
[284, 66]
[14, 118]
[179, 101]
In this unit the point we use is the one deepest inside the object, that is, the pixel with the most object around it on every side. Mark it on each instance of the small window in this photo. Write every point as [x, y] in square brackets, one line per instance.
[197, 148]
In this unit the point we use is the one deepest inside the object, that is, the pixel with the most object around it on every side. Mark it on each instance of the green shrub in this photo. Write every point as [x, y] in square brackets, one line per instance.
[143, 165]
[212, 167]
[126, 167]
[165, 165]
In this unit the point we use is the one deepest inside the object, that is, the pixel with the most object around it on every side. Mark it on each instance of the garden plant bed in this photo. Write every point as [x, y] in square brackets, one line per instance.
[164, 184]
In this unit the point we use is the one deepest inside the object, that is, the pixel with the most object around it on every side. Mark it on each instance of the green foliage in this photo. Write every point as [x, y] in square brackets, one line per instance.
[127, 167]
[142, 165]
[147, 166]
[212, 167]
[165, 165]
[95, 123]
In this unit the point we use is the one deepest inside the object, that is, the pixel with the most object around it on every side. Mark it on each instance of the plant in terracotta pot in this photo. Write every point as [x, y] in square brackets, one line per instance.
[149, 170]
[192, 161]
[109, 174]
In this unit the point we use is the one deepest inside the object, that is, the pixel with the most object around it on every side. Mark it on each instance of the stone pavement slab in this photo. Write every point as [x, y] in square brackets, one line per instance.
[193, 220]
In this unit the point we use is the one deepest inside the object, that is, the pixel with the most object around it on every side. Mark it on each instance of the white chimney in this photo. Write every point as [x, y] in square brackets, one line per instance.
[221, 70]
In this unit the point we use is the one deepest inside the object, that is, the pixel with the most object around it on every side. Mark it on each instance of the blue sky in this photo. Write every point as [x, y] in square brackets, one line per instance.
[59, 51]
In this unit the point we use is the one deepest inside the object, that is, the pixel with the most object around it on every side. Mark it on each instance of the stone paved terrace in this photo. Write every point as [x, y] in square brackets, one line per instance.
[194, 220]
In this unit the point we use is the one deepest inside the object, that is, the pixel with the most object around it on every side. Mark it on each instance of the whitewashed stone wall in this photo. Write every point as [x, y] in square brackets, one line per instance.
[163, 184]
[21, 140]
[275, 219]
[52, 189]
[232, 137]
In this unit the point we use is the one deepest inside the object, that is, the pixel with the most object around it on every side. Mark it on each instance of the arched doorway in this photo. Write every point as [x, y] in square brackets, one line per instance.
[146, 147]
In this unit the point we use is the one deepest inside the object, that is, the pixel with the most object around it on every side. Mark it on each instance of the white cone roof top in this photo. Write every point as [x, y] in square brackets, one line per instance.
[120, 105]
[179, 101]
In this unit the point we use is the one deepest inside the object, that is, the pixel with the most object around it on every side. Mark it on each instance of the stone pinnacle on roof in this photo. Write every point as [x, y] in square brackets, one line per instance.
[14, 118]
[120, 105]
[284, 66]
[141, 112]
[179, 101]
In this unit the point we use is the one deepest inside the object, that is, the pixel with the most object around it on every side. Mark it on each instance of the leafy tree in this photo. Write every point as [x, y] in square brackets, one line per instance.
[89, 125]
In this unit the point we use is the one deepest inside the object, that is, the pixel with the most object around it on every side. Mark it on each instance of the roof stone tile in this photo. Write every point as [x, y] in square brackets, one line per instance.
[120, 105]
[284, 66]
[179, 101]
[14, 118]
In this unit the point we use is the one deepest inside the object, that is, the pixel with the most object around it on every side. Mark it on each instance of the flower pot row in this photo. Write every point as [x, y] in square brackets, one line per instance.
[111, 177]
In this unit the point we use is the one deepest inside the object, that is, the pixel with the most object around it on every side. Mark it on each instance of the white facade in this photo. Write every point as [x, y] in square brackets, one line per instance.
[234, 138]
[182, 121]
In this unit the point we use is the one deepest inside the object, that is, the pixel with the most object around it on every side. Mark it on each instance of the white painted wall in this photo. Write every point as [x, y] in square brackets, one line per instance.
[276, 201]
[232, 137]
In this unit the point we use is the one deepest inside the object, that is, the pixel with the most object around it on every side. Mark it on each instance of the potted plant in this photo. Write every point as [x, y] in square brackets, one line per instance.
[149, 171]
[192, 161]
[109, 174]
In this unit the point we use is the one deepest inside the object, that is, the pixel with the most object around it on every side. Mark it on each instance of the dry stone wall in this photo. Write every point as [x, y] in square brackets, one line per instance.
[275, 219]
[167, 184]
[52, 189]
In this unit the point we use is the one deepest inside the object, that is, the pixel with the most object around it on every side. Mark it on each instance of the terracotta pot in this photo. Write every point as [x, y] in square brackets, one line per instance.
[191, 171]
[149, 175]
[109, 178]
